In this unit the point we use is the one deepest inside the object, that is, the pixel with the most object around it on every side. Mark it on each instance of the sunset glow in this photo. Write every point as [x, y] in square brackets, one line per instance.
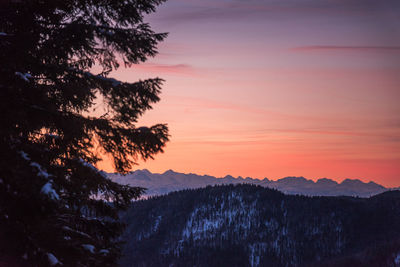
[277, 88]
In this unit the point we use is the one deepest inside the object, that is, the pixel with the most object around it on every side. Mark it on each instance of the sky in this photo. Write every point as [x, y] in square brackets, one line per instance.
[276, 88]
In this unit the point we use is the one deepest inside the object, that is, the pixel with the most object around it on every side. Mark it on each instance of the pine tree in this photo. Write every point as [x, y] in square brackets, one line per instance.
[55, 206]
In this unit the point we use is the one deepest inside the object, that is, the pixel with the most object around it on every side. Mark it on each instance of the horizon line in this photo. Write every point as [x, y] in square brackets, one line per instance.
[261, 179]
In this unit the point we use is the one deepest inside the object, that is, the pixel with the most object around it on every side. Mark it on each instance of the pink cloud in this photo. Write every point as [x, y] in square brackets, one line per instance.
[193, 10]
[166, 68]
[346, 48]
[197, 103]
[336, 132]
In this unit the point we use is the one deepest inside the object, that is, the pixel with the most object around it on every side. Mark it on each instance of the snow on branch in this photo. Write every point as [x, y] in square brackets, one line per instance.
[90, 166]
[104, 31]
[113, 81]
[53, 260]
[55, 136]
[397, 259]
[89, 247]
[24, 156]
[41, 172]
[69, 229]
[24, 76]
[104, 251]
[47, 189]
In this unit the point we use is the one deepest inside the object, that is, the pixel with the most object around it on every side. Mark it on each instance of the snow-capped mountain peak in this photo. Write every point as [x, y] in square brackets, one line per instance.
[170, 180]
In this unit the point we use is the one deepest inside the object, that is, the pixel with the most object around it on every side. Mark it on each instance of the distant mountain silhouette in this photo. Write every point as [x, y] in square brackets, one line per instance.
[159, 184]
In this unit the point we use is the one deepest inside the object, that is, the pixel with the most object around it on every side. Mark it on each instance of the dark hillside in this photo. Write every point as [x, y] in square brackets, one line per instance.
[246, 225]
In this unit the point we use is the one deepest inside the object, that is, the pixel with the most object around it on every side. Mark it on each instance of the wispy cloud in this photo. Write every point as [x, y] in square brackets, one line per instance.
[199, 104]
[193, 10]
[167, 68]
[337, 132]
[346, 48]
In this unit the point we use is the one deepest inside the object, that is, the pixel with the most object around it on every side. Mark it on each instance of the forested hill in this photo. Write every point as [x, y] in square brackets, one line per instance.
[248, 225]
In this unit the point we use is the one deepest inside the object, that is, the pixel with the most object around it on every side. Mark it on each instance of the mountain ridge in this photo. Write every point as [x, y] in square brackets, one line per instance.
[163, 183]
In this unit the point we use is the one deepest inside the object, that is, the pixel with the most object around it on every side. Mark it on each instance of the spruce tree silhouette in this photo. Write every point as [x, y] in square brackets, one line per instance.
[55, 207]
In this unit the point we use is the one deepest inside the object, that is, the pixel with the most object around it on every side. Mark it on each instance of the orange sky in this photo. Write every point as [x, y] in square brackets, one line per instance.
[282, 90]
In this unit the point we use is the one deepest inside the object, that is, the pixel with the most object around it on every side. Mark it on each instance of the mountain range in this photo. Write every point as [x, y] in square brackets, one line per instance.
[248, 225]
[163, 183]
